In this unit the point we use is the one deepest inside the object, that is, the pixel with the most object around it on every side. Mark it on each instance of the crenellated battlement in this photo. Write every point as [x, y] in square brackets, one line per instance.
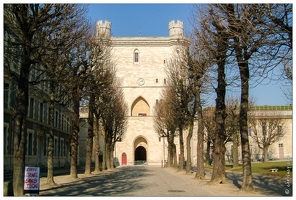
[103, 28]
[176, 28]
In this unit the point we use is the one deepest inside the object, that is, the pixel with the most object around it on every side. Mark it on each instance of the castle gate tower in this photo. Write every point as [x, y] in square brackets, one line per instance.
[140, 64]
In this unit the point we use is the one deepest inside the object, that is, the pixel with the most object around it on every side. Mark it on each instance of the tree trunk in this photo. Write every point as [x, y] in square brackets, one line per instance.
[50, 179]
[188, 144]
[90, 136]
[170, 155]
[108, 155]
[200, 170]
[174, 150]
[112, 156]
[74, 140]
[104, 164]
[208, 157]
[265, 151]
[242, 56]
[97, 148]
[243, 123]
[173, 158]
[235, 150]
[219, 175]
[20, 132]
[181, 159]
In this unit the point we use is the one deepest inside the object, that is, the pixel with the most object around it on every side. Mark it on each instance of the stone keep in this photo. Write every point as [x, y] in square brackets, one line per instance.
[140, 64]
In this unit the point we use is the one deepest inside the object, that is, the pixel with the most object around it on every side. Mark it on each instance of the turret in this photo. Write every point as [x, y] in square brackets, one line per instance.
[176, 28]
[103, 28]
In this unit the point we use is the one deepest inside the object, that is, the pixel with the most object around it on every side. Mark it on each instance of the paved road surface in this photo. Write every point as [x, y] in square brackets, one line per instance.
[149, 181]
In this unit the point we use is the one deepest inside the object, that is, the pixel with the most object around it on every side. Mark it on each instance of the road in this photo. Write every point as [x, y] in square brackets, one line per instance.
[147, 181]
[141, 180]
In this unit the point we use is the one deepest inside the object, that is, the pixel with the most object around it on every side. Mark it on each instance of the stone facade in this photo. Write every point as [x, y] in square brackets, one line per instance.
[140, 64]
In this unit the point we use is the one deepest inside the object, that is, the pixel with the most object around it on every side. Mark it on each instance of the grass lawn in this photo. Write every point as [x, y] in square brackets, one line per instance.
[263, 168]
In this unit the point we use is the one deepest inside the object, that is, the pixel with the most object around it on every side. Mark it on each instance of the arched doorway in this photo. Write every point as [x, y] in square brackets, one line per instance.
[140, 155]
[140, 150]
[123, 159]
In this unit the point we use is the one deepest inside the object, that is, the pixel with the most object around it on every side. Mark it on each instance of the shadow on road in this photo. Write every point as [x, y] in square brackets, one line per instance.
[121, 181]
[266, 184]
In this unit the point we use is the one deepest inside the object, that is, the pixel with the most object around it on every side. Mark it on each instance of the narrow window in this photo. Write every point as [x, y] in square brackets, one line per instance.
[55, 146]
[156, 80]
[62, 121]
[62, 147]
[164, 81]
[41, 112]
[6, 95]
[5, 139]
[264, 129]
[68, 121]
[280, 129]
[30, 143]
[31, 108]
[45, 146]
[136, 56]
[57, 119]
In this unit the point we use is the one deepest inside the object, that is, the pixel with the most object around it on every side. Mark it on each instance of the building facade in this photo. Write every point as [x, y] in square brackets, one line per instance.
[140, 64]
[38, 126]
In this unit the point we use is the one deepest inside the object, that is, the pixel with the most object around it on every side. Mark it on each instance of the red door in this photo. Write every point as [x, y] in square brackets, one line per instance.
[123, 159]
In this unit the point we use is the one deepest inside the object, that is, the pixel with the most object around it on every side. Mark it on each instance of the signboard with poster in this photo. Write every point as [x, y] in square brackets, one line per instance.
[31, 181]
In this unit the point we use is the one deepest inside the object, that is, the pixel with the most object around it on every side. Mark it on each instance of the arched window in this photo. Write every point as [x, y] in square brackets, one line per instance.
[140, 107]
[136, 56]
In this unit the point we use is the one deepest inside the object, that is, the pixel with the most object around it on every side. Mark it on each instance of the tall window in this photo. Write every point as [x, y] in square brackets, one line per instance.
[62, 147]
[55, 146]
[31, 108]
[264, 129]
[6, 95]
[45, 147]
[41, 112]
[30, 143]
[136, 56]
[280, 129]
[5, 139]
[56, 119]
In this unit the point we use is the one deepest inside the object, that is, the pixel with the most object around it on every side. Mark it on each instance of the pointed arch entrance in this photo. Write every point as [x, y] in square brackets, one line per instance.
[140, 107]
[140, 151]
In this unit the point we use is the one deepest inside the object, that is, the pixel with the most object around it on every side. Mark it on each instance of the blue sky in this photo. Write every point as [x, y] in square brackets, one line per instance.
[145, 19]
[152, 20]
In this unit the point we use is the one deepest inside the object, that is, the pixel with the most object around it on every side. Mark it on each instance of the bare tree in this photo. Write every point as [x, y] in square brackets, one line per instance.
[232, 127]
[265, 131]
[178, 79]
[210, 127]
[280, 24]
[164, 123]
[99, 57]
[113, 115]
[200, 61]
[27, 28]
[250, 40]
